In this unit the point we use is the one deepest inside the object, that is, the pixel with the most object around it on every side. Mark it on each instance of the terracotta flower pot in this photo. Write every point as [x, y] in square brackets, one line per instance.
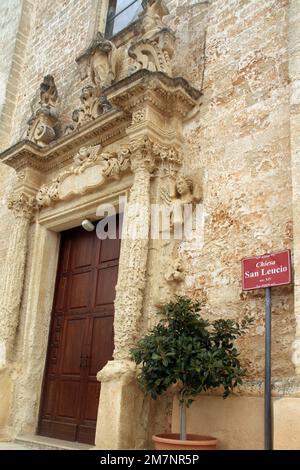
[193, 442]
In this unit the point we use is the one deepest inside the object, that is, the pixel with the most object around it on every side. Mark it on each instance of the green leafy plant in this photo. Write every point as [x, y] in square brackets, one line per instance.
[191, 352]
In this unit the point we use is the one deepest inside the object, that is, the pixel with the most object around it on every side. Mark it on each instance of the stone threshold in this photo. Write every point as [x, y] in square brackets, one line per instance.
[36, 442]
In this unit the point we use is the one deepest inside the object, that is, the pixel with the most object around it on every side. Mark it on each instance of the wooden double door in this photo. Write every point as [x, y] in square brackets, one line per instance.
[81, 335]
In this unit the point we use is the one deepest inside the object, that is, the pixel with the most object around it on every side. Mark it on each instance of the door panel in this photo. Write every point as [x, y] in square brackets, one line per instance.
[81, 336]
[79, 290]
[73, 341]
[102, 345]
[105, 279]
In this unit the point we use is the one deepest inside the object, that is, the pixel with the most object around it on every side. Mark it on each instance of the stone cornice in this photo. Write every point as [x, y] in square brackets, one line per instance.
[127, 93]
[144, 89]
[103, 130]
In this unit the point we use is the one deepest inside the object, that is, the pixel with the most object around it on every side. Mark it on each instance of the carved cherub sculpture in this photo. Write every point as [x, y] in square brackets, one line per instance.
[184, 190]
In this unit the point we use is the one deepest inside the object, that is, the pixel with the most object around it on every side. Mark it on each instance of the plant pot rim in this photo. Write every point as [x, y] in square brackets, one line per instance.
[192, 439]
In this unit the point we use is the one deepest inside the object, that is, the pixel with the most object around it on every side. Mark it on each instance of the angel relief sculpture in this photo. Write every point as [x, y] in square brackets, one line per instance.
[182, 192]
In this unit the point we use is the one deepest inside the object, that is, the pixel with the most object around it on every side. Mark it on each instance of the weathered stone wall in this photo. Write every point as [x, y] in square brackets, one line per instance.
[60, 31]
[241, 139]
[237, 50]
[10, 14]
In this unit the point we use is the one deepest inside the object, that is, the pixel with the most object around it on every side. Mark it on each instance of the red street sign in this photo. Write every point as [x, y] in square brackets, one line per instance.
[269, 270]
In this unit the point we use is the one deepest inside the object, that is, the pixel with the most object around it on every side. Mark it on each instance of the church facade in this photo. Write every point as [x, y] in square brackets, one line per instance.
[124, 110]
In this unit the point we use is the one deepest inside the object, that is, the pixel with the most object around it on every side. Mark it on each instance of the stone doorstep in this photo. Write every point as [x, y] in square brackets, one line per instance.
[48, 443]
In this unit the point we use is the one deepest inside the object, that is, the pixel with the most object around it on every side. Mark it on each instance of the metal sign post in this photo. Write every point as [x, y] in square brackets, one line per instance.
[268, 392]
[265, 272]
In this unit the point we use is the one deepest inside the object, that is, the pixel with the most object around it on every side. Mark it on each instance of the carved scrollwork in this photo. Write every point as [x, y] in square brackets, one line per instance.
[154, 49]
[116, 163]
[96, 168]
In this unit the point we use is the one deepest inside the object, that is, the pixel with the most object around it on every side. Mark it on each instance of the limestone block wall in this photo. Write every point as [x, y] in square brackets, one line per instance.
[238, 52]
[16, 17]
[241, 137]
[10, 13]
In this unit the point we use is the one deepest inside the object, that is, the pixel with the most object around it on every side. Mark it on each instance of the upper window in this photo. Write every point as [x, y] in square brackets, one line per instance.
[121, 13]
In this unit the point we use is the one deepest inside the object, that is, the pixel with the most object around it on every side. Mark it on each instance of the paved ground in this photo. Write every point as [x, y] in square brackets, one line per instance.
[13, 446]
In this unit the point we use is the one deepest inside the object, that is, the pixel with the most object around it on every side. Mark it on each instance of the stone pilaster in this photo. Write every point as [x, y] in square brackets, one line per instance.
[134, 252]
[22, 206]
[118, 377]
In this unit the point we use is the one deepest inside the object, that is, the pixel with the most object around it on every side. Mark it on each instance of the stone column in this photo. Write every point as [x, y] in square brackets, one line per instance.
[119, 394]
[11, 293]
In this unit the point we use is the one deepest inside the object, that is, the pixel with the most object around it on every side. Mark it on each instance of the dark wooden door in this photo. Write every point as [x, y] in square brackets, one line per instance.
[81, 336]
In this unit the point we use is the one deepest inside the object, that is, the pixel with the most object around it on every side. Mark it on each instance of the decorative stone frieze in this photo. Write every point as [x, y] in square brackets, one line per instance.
[91, 169]
[154, 48]
[43, 126]
[159, 95]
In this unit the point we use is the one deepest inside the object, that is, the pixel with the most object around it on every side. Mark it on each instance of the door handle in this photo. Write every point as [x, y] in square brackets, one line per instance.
[81, 361]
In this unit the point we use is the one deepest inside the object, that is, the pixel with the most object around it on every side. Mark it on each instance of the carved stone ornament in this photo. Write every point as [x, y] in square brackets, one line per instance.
[22, 205]
[175, 272]
[99, 61]
[43, 126]
[183, 190]
[154, 49]
[93, 106]
[92, 168]
[171, 276]
[145, 148]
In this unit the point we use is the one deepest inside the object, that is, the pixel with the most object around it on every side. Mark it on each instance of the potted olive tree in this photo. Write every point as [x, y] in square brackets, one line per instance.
[192, 355]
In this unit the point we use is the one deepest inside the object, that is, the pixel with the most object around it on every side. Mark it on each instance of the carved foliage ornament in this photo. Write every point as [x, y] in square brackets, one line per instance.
[93, 106]
[22, 205]
[43, 126]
